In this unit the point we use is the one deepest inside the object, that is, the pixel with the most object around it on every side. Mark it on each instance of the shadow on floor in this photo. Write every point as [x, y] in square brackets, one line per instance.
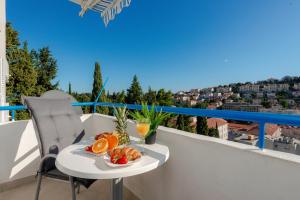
[59, 190]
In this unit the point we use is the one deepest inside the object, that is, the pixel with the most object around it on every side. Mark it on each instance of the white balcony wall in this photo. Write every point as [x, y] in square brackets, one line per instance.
[199, 167]
[210, 169]
[213, 169]
[19, 152]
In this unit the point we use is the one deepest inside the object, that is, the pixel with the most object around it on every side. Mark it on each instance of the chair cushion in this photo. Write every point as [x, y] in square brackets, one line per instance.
[57, 123]
[55, 173]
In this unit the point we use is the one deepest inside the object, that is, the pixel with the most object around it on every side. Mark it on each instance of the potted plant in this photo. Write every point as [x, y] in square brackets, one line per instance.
[121, 125]
[152, 116]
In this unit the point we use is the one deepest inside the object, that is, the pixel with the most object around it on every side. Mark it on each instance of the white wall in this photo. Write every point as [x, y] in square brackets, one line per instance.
[19, 152]
[207, 168]
[3, 62]
[223, 131]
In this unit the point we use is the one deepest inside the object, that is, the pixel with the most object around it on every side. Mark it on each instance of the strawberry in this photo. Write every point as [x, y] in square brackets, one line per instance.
[123, 160]
[114, 158]
[88, 148]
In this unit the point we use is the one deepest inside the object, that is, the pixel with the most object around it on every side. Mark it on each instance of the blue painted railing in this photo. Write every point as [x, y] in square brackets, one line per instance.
[258, 117]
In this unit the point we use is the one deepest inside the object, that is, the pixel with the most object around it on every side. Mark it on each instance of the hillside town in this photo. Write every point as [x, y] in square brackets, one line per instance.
[265, 96]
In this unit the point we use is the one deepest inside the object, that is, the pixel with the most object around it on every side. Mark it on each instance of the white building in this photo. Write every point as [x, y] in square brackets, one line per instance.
[223, 89]
[222, 126]
[297, 86]
[296, 93]
[249, 88]
[3, 62]
[276, 87]
[271, 95]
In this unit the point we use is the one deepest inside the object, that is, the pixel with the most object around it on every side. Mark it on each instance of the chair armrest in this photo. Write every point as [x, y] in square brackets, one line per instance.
[50, 155]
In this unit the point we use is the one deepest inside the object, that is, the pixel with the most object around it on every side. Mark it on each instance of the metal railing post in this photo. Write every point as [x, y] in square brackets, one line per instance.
[13, 115]
[94, 107]
[261, 137]
[99, 94]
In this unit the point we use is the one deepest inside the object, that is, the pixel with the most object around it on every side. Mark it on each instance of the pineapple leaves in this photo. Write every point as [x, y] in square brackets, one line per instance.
[121, 114]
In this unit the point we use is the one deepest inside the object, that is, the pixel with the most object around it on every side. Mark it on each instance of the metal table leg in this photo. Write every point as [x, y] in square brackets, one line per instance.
[117, 189]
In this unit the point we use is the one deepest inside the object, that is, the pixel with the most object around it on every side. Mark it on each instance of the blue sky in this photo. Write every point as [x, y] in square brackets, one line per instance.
[176, 44]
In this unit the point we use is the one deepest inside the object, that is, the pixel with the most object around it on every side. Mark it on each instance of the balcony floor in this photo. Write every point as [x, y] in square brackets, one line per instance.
[59, 190]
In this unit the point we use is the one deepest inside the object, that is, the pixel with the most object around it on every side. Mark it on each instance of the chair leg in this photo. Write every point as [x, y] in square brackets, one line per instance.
[72, 188]
[78, 188]
[38, 188]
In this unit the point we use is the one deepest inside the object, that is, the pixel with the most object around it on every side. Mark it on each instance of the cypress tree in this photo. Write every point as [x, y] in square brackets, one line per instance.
[183, 123]
[135, 92]
[180, 122]
[70, 89]
[97, 85]
[202, 127]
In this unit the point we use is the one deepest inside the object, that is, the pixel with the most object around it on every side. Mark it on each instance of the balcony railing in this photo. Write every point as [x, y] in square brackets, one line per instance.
[258, 117]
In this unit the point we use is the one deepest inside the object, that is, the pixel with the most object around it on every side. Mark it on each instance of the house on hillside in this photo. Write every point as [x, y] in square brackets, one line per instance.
[222, 126]
[248, 133]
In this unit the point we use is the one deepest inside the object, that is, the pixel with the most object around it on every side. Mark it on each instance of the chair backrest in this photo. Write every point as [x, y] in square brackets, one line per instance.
[58, 94]
[57, 123]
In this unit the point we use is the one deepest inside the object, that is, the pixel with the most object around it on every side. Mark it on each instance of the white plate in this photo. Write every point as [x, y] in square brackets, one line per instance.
[107, 161]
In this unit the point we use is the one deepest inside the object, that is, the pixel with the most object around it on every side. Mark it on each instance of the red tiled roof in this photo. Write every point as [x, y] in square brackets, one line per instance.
[242, 127]
[271, 129]
[211, 107]
[253, 128]
[212, 122]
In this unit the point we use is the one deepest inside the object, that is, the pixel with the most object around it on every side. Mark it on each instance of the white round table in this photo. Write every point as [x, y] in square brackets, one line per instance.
[74, 162]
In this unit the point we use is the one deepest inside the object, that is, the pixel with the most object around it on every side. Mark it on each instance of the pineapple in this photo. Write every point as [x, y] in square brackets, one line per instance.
[121, 125]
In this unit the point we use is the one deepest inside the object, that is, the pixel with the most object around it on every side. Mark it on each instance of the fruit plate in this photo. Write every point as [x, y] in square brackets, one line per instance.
[107, 161]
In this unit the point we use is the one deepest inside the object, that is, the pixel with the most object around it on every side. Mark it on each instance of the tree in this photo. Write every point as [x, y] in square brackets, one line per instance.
[150, 96]
[83, 97]
[180, 122]
[97, 85]
[23, 77]
[70, 89]
[214, 132]
[183, 123]
[202, 127]
[284, 103]
[46, 67]
[135, 92]
[164, 98]
[121, 97]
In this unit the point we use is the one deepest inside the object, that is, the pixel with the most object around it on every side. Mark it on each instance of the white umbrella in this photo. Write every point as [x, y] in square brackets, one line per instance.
[108, 9]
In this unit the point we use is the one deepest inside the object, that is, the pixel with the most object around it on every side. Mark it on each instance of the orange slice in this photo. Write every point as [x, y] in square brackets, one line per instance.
[100, 146]
[113, 141]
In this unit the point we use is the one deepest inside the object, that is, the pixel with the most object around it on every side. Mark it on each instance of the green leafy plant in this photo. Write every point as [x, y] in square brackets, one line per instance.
[151, 116]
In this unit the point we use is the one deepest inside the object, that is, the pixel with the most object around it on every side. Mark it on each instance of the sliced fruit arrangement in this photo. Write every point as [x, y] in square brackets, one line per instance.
[124, 155]
[102, 135]
[113, 142]
[98, 147]
[104, 142]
